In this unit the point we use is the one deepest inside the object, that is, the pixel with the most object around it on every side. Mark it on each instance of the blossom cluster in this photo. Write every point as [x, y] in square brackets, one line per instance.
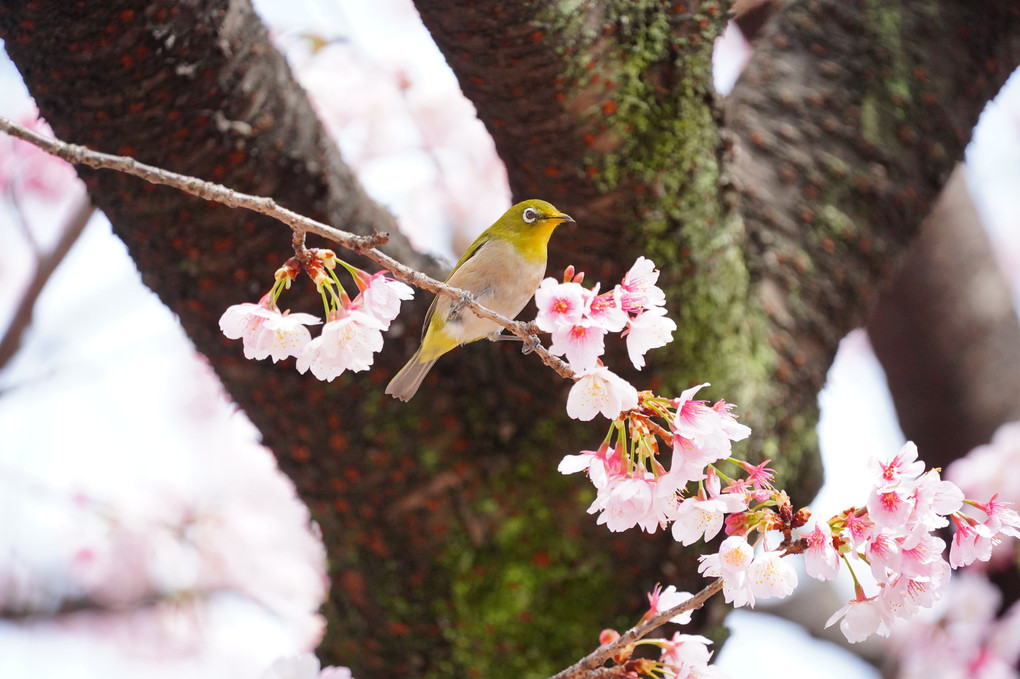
[966, 638]
[894, 535]
[635, 489]
[579, 319]
[685, 656]
[353, 330]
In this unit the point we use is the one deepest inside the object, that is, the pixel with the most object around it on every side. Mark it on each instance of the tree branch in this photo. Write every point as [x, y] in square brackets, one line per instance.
[46, 264]
[588, 666]
[364, 245]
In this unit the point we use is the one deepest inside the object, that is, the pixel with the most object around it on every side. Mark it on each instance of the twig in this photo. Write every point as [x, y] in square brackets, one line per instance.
[46, 264]
[81, 155]
[587, 666]
[366, 245]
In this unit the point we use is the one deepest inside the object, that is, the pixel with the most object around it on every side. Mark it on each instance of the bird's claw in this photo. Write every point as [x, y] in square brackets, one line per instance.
[458, 306]
[531, 344]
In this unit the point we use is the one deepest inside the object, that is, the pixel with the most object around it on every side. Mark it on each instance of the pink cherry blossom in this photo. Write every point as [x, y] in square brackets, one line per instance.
[821, 560]
[381, 298]
[904, 463]
[687, 656]
[600, 391]
[699, 518]
[861, 618]
[972, 541]
[934, 499]
[711, 429]
[601, 464]
[760, 478]
[265, 331]
[904, 596]
[771, 576]
[921, 555]
[626, 502]
[991, 468]
[689, 461]
[963, 641]
[890, 507]
[882, 552]
[581, 344]
[606, 311]
[731, 563]
[650, 329]
[859, 529]
[1001, 518]
[638, 289]
[660, 599]
[347, 342]
[560, 305]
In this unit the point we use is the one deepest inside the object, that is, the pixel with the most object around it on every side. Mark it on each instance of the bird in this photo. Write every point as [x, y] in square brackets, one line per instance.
[501, 270]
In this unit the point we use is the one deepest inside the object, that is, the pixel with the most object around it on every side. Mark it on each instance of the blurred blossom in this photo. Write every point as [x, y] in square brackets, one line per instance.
[27, 171]
[410, 134]
[989, 469]
[961, 638]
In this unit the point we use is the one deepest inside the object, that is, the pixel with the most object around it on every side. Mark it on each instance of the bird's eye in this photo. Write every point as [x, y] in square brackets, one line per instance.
[530, 215]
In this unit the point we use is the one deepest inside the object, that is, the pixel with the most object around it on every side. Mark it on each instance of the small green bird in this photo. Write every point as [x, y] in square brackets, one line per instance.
[502, 270]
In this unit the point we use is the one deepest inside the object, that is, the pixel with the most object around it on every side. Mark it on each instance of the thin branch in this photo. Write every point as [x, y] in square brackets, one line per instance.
[365, 245]
[81, 155]
[45, 266]
[588, 666]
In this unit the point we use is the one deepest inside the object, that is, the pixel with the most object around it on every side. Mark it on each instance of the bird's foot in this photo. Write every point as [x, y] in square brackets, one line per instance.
[531, 344]
[459, 305]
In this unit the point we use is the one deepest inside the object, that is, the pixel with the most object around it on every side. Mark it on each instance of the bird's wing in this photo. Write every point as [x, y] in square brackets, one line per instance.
[472, 250]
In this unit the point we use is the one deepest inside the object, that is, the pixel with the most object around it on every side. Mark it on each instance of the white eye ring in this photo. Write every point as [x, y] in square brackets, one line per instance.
[529, 215]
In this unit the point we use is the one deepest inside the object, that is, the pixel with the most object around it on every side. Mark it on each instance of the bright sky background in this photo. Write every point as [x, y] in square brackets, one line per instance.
[114, 433]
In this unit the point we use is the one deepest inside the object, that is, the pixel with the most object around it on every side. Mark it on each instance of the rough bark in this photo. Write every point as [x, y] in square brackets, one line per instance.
[455, 548]
[849, 118]
[947, 333]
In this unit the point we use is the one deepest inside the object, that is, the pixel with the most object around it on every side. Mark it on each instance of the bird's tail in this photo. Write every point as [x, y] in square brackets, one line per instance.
[406, 382]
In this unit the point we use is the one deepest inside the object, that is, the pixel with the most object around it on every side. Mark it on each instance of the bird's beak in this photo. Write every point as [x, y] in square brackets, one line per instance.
[561, 216]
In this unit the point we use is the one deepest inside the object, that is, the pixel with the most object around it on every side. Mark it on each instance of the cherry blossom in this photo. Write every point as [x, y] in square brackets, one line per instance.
[771, 576]
[265, 331]
[904, 463]
[600, 464]
[560, 305]
[660, 599]
[972, 541]
[821, 560]
[687, 656]
[581, 344]
[606, 311]
[347, 342]
[381, 298]
[626, 502]
[650, 329]
[598, 390]
[731, 563]
[712, 429]
[638, 289]
[860, 618]
[697, 518]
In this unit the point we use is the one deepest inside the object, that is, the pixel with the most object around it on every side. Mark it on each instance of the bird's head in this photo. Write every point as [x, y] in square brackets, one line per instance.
[529, 225]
